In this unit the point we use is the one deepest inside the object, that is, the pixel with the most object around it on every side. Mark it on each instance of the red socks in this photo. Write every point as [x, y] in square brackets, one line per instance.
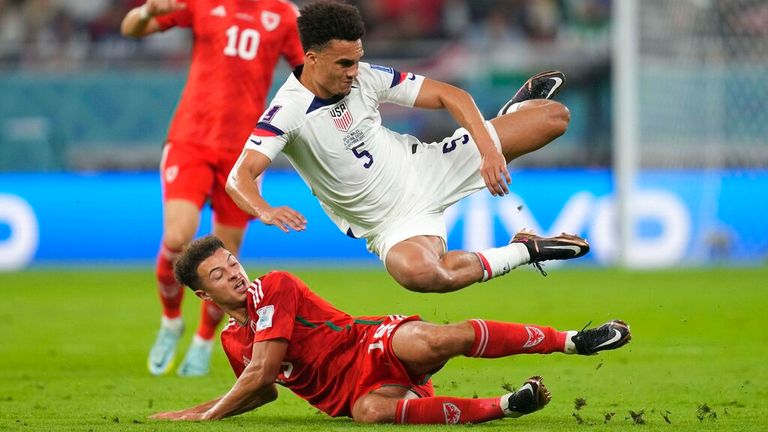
[210, 317]
[447, 410]
[171, 293]
[495, 339]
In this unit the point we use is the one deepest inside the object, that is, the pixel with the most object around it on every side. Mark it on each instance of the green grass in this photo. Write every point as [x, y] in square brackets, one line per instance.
[73, 347]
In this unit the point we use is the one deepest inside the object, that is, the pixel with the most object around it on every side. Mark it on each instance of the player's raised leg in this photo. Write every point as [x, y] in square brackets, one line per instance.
[543, 85]
[198, 357]
[535, 124]
[181, 219]
[530, 120]
[420, 263]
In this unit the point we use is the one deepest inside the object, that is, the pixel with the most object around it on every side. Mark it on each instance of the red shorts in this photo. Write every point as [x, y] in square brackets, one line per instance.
[199, 174]
[379, 366]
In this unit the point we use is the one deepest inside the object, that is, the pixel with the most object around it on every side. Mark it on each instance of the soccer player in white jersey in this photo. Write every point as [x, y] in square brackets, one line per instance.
[389, 188]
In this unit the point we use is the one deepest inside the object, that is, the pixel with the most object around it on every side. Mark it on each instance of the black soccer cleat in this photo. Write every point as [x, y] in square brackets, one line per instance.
[611, 335]
[530, 397]
[543, 85]
[563, 247]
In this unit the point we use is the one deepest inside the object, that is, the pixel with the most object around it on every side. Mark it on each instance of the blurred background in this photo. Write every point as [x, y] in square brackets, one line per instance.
[665, 162]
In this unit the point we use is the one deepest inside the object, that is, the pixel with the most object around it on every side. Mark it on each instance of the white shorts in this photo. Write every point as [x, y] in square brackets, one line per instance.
[447, 171]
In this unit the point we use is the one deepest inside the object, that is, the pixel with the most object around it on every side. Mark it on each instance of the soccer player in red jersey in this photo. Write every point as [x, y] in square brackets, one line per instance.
[236, 47]
[375, 369]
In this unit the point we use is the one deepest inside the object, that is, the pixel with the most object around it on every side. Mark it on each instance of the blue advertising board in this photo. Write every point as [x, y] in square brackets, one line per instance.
[681, 218]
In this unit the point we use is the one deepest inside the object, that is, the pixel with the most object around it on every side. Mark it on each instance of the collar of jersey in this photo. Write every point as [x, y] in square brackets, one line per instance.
[317, 101]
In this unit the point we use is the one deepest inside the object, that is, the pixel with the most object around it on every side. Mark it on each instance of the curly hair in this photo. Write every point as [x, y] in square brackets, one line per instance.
[325, 20]
[185, 269]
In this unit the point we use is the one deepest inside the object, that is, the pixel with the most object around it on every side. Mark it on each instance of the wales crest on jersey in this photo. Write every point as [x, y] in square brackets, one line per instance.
[341, 117]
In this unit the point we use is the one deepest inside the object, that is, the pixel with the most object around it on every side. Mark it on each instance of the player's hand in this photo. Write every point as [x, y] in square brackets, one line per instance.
[495, 173]
[162, 7]
[283, 218]
[183, 415]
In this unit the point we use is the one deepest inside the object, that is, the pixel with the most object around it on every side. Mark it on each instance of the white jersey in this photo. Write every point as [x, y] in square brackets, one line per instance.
[358, 169]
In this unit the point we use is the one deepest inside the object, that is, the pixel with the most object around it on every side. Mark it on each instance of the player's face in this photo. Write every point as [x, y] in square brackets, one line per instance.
[224, 279]
[336, 67]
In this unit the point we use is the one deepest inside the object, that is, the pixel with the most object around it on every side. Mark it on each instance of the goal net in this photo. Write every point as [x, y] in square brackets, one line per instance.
[702, 127]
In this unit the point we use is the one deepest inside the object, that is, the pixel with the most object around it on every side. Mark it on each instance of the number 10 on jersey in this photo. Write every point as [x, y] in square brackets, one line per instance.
[243, 44]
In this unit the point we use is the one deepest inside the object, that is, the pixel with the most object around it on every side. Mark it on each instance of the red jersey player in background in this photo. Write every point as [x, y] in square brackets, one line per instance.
[374, 369]
[236, 46]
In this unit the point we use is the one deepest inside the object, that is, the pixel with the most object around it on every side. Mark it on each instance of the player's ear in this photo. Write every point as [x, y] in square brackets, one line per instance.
[203, 295]
[310, 56]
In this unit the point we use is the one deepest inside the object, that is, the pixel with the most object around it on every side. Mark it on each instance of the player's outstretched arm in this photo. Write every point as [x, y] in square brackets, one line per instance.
[242, 187]
[256, 385]
[193, 413]
[460, 104]
[140, 21]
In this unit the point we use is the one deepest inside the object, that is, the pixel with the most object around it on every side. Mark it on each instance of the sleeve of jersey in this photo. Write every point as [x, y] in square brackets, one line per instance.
[391, 85]
[179, 18]
[278, 308]
[230, 350]
[269, 136]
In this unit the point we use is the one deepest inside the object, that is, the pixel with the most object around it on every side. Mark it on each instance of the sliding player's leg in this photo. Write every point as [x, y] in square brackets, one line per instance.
[424, 348]
[392, 404]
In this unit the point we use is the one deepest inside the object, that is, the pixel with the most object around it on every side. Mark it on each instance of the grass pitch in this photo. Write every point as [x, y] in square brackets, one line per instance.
[73, 348]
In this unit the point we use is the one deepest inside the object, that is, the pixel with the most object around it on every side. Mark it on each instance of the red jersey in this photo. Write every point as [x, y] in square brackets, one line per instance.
[332, 358]
[237, 44]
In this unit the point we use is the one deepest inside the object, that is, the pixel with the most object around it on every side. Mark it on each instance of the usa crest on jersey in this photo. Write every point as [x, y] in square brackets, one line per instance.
[341, 116]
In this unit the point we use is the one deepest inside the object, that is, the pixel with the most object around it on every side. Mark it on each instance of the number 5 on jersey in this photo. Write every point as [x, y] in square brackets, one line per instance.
[243, 44]
[363, 154]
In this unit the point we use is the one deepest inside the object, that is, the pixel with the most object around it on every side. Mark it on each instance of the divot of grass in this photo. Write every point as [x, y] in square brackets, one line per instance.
[665, 416]
[579, 403]
[637, 417]
[706, 412]
[578, 418]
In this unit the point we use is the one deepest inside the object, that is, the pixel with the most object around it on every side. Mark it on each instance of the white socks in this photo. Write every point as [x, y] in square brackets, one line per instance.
[511, 108]
[499, 261]
[570, 347]
[174, 324]
[197, 340]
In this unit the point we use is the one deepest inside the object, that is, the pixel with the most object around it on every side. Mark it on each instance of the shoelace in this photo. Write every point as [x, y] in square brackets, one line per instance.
[580, 333]
[585, 326]
[539, 267]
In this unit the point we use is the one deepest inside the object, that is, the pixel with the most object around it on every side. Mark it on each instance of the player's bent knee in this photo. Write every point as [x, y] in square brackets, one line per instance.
[375, 411]
[441, 345]
[176, 239]
[558, 117]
